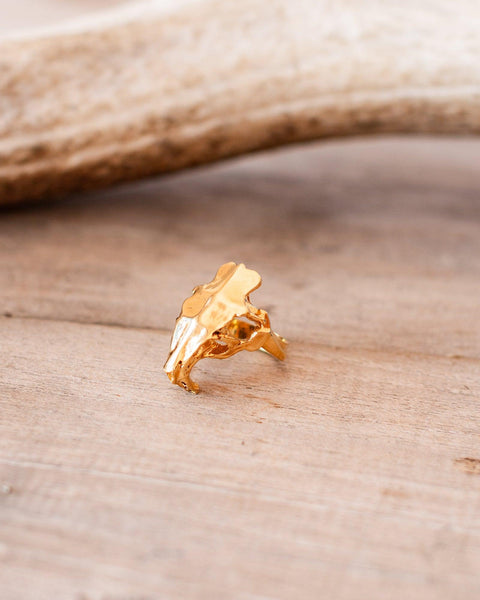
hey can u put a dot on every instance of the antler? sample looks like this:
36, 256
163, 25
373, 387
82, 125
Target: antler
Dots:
154, 89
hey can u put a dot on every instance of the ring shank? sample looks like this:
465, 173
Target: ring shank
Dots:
275, 345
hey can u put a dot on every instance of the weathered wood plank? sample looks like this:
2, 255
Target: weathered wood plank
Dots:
350, 471
334, 473
370, 244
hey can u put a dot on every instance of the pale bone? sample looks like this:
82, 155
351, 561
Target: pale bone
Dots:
155, 89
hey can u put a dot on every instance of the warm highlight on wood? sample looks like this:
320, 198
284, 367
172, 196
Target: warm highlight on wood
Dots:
174, 84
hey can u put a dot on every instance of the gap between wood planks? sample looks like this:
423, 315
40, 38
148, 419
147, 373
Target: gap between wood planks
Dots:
168, 331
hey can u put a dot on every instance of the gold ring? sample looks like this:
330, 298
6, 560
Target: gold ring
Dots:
217, 321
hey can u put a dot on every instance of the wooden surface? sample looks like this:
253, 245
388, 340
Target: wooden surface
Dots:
349, 472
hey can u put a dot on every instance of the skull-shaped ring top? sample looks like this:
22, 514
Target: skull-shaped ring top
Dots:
217, 321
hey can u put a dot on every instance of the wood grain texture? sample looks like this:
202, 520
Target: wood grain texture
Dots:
169, 85
349, 472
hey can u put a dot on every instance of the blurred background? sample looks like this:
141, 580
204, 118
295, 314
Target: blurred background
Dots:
25, 14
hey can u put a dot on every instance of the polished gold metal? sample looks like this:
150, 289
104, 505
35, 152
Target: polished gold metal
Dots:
218, 321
